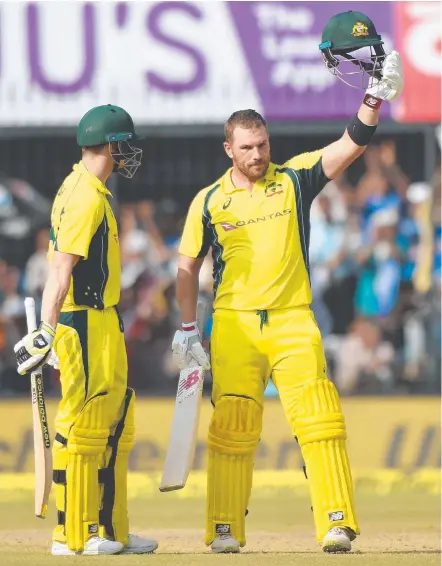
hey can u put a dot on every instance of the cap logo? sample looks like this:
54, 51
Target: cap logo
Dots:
359, 29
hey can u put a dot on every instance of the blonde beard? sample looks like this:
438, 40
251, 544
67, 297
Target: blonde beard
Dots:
253, 178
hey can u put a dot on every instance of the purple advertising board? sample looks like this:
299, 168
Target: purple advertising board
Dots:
195, 62
280, 41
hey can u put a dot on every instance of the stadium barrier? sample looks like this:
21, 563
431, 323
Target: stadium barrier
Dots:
266, 483
400, 434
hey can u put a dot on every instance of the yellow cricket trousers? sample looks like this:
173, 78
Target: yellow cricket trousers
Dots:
92, 419
247, 349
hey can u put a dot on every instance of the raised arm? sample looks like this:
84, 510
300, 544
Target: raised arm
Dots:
339, 155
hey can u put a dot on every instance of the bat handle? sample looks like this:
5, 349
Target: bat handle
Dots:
31, 318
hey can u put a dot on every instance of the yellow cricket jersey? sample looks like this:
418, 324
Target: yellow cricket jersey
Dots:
83, 224
259, 240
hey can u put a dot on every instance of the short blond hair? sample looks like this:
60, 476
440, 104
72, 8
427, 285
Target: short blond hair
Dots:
247, 119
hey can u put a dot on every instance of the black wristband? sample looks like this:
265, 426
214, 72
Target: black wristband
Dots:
359, 132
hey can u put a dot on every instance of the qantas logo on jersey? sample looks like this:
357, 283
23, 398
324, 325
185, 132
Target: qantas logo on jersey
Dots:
227, 226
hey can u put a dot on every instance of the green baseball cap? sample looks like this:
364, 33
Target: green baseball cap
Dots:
349, 31
105, 124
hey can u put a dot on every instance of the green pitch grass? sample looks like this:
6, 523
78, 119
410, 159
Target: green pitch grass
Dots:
398, 529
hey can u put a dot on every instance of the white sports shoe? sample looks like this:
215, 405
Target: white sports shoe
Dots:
93, 546
139, 545
338, 539
225, 543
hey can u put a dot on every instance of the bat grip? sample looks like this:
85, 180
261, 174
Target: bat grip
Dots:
31, 318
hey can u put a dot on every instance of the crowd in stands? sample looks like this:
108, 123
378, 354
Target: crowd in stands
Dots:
375, 272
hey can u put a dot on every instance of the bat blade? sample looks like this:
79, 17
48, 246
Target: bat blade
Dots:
42, 446
42, 441
184, 430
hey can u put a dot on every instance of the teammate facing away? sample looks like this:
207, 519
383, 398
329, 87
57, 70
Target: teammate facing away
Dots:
80, 321
256, 220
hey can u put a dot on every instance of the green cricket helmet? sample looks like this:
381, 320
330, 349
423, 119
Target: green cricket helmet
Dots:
353, 32
109, 124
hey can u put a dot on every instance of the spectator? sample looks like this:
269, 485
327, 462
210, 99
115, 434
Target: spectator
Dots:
378, 286
364, 362
13, 302
326, 254
36, 270
375, 267
134, 248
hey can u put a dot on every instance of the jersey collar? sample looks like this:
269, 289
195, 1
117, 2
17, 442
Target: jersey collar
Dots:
229, 187
93, 179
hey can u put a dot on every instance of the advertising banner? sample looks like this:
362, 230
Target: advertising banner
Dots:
419, 40
280, 41
172, 62
383, 433
166, 62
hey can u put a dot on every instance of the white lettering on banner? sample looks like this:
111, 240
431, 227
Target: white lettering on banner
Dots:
300, 77
167, 62
275, 47
287, 52
279, 17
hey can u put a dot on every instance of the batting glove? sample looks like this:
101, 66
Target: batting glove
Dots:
34, 350
187, 350
392, 83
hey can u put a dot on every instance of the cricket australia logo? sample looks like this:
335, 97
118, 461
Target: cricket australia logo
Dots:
359, 29
273, 189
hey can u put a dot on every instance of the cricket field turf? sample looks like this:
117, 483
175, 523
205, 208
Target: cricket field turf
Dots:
398, 528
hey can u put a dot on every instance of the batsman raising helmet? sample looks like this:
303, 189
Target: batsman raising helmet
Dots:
80, 322
256, 220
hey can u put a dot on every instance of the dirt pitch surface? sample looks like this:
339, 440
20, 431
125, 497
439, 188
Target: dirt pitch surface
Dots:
399, 529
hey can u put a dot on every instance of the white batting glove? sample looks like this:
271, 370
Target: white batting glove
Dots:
34, 349
187, 350
392, 83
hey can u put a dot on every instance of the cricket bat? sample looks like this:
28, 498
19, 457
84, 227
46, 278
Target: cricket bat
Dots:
42, 441
184, 430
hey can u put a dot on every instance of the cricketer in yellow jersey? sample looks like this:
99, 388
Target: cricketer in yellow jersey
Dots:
80, 322
256, 220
